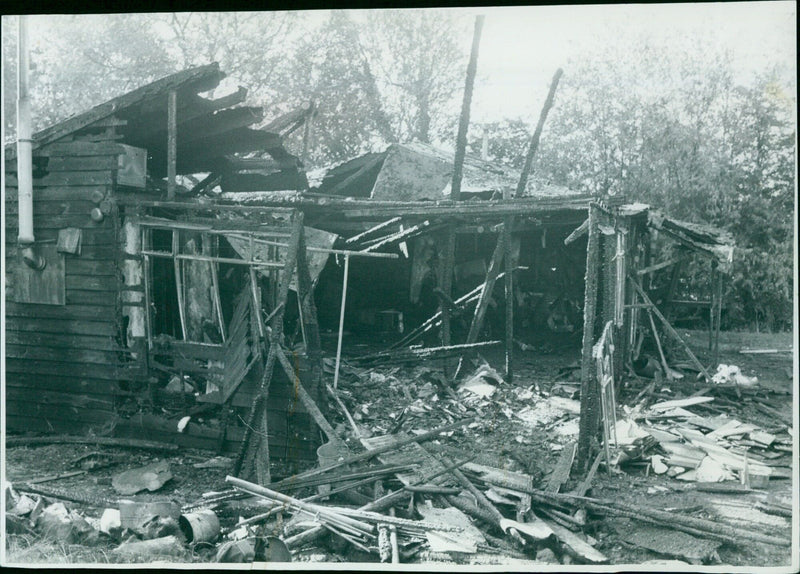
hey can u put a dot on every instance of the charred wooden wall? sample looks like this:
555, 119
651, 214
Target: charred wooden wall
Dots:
68, 367
63, 361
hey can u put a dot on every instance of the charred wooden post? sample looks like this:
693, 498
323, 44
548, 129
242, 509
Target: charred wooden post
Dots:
609, 271
172, 142
305, 294
509, 284
620, 294
259, 407
717, 313
486, 294
589, 417
463, 125
537, 134
448, 262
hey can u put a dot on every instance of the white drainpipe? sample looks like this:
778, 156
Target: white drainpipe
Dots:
24, 154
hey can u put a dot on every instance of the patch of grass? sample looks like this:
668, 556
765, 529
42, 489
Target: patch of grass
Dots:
733, 341
25, 549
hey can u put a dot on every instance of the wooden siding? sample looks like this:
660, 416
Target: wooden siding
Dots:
62, 361
65, 369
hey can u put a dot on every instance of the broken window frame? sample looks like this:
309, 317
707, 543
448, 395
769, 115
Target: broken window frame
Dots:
208, 242
147, 225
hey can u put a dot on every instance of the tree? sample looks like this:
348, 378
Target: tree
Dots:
675, 130
329, 69
419, 60
248, 45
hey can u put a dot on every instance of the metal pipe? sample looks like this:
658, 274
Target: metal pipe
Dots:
25, 237
341, 321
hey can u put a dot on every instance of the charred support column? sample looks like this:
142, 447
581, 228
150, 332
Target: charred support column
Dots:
590, 404
172, 142
448, 261
716, 313
509, 264
620, 291
509, 222
305, 294
609, 269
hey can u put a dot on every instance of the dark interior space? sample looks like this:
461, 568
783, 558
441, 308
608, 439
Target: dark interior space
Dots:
386, 298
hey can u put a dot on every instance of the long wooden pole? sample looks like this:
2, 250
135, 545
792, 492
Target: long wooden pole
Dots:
667, 372
509, 223
458, 167
671, 330
341, 322
537, 134
172, 142
485, 294
589, 391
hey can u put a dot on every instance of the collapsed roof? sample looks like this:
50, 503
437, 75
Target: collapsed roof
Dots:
212, 134
416, 171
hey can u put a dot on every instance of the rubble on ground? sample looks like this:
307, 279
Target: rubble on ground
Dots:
410, 484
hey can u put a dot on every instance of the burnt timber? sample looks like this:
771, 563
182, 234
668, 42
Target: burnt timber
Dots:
103, 340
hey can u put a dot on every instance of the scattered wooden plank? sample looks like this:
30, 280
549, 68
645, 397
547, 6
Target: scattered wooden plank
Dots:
97, 440
762, 437
581, 230
586, 483
661, 265
680, 403
420, 354
561, 472
575, 545
668, 542
372, 230
56, 477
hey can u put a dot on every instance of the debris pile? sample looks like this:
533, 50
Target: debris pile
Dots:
467, 491
687, 446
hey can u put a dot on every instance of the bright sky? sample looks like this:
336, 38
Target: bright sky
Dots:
521, 47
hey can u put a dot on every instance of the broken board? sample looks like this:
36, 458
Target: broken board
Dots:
563, 467
410, 454
667, 542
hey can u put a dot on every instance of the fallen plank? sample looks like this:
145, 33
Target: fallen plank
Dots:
413, 355
692, 525
762, 437
563, 466
56, 477
666, 405
375, 452
722, 488
580, 549
485, 503
89, 500
105, 441
586, 484
668, 542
